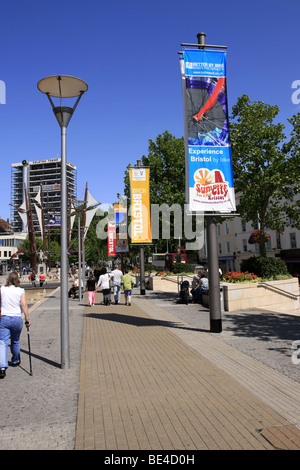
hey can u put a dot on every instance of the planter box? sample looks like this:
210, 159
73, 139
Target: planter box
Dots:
279, 295
166, 283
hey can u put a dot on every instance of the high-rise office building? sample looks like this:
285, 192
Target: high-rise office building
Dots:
32, 175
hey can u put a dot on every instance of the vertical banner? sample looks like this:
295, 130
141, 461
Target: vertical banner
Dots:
121, 227
140, 205
209, 179
111, 237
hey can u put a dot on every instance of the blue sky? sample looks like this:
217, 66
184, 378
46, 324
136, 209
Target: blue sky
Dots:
127, 52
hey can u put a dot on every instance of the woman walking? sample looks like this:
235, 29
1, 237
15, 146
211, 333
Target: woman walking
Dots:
13, 303
104, 285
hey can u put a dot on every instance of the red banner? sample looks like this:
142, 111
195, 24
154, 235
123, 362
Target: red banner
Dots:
111, 237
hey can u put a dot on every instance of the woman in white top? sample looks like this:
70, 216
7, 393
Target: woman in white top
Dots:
104, 285
13, 303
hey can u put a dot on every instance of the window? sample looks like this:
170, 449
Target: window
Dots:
219, 248
226, 228
243, 227
245, 246
218, 230
227, 247
278, 240
293, 240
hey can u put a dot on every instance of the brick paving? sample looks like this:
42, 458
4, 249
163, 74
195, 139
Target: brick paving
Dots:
143, 387
142, 378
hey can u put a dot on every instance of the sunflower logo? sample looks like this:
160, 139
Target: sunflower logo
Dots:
203, 177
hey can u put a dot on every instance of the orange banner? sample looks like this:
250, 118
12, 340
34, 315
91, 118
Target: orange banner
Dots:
140, 205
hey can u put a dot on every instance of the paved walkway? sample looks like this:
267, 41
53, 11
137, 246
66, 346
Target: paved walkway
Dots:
143, 378
150, 381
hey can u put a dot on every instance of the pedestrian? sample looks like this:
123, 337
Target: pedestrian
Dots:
200, 289
42, 279
116, 275
127, 283
104, 285
33, 279
204, 282
91, 288
13, 303
97, 274
75, 286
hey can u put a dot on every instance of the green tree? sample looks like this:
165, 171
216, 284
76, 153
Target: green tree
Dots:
95, 248
54, 245
265, 168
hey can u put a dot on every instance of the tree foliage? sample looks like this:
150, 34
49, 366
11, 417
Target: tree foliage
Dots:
265, 167
95, 248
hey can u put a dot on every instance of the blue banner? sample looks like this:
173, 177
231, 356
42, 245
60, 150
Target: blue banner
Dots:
208, 154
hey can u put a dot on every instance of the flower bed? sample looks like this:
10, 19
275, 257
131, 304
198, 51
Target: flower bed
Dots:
239, 277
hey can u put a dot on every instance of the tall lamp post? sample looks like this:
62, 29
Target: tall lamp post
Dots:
63, 86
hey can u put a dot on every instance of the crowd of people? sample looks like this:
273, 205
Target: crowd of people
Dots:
14, 307
100, 280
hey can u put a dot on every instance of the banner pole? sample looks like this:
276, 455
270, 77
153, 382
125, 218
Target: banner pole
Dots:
213, 259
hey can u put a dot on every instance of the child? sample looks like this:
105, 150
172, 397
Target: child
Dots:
127, 283
91, 288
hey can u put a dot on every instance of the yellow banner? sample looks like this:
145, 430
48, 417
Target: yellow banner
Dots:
140, 205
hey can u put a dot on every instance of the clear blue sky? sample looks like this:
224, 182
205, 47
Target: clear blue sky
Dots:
127, 52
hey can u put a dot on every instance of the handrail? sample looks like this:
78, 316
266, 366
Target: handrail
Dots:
277, 288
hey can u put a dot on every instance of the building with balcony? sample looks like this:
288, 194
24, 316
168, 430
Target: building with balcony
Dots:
33, 175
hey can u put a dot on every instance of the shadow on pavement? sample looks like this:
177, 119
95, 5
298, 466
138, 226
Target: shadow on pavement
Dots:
139, 321
263, 326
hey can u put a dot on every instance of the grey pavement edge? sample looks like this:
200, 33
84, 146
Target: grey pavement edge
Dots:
41, 410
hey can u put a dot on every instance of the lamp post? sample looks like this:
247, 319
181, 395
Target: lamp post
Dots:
63, 86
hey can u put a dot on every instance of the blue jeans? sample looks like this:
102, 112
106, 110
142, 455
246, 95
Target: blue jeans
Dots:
117, 292
10, 327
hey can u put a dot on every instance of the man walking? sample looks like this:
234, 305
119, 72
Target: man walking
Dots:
127, 283
116, 276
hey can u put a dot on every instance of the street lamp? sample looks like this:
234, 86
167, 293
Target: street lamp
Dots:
63, 86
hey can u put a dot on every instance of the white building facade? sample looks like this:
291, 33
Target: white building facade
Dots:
233, 245
9, 243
